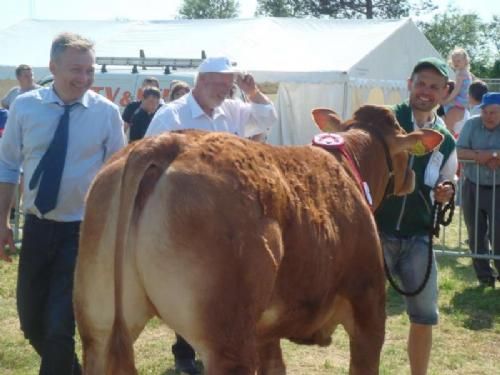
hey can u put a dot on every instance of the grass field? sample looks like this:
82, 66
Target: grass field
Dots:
466, 342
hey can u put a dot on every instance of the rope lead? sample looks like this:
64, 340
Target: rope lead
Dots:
441, 215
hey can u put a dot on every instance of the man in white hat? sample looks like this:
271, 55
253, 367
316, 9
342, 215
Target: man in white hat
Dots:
208, 106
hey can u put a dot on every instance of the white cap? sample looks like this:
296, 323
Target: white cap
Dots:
216, 65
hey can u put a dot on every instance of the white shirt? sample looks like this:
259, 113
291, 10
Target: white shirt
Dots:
232, 116
95, 133
475, 110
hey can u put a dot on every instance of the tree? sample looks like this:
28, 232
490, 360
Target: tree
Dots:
453, 29
282, 8
209, 9
343, 8
493, 34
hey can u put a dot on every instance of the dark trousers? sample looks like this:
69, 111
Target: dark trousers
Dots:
181, 349
45, 291
482, 267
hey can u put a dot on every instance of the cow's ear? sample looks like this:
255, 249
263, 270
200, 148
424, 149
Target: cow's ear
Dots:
419, 142
327, 120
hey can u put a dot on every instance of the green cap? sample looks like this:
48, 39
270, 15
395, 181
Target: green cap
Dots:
434, 63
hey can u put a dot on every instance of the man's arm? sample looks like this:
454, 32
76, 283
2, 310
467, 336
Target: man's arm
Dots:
6, 238
164, 120
127, 114
257, 120
5, 100
444, 192
464, 146
9, 97
247, 84
479, 156
10, 161
116, 138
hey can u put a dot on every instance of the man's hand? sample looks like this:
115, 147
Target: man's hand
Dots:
483, 157
443, 193
247, 84
6, 239
493, 163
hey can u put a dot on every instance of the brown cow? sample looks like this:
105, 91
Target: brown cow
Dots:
236, 244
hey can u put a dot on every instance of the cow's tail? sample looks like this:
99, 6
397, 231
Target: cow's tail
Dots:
146, 161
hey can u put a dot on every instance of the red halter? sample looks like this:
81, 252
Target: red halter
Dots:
333, 141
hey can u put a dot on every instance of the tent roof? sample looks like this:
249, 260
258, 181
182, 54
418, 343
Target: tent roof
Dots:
329, 47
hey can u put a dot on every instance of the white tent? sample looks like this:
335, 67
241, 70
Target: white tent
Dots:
339, 64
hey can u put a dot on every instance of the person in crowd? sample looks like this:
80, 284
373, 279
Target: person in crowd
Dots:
404, 221
25, 78
61, 135
207, 107
456, 103
131, 107
4, 114
144, 114
480, 142
177, 90
476, 91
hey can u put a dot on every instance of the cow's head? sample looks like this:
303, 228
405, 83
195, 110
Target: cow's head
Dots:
378, 121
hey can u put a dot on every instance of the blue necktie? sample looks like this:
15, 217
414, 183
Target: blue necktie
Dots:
50, 168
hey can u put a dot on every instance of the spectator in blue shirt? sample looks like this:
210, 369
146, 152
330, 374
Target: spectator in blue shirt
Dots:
480, 141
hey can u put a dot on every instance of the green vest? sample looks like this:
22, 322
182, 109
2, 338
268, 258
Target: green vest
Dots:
412, 211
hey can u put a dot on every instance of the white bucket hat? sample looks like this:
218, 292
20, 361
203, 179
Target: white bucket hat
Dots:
216, 65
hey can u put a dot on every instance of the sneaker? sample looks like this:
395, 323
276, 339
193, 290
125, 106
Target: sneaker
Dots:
186, 366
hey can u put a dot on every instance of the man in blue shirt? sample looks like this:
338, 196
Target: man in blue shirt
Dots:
480, 141
61, 135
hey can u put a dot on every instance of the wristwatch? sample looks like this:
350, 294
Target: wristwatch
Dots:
494, 154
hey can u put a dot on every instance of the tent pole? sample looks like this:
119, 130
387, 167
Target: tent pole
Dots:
346, 98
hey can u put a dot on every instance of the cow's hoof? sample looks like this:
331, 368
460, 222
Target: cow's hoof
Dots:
186, 367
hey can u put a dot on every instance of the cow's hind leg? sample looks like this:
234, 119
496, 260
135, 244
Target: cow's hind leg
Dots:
102, 354
271, 359
95, 313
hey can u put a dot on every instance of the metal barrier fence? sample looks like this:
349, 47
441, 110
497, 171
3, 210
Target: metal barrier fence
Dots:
460, 246
493, 83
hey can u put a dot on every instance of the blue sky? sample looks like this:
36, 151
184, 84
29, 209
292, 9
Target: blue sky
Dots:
16, 10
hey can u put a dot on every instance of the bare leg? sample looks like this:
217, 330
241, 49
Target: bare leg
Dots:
419, 348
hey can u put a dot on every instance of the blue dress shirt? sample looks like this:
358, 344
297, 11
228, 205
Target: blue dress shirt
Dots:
95, 133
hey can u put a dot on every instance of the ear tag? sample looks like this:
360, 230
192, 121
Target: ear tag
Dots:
418, 149
328, 140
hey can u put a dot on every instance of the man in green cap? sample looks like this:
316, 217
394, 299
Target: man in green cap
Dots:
404, 221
